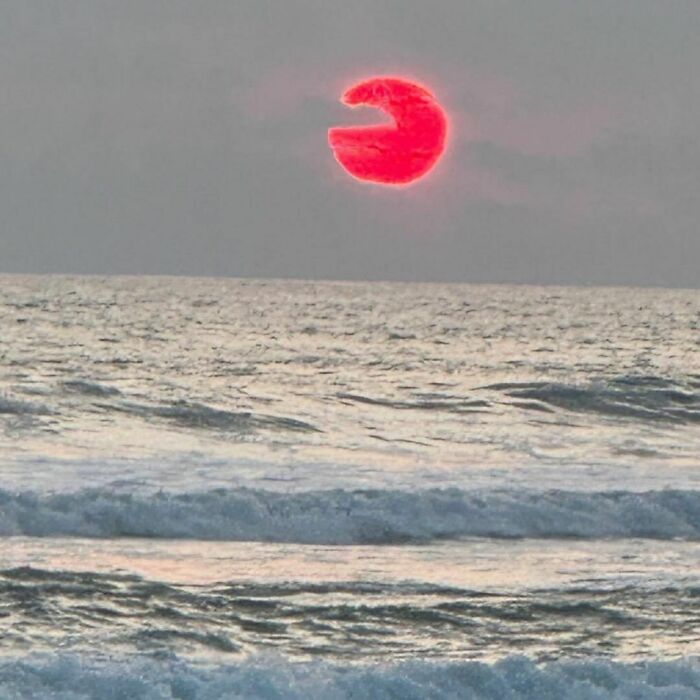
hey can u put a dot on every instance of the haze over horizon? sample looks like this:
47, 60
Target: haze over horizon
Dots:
171, 138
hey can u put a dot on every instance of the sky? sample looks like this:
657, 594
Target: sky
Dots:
180, 137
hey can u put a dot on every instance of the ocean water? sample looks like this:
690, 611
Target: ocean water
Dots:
261, 489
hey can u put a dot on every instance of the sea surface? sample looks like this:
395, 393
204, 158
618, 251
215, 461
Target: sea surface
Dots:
215, 488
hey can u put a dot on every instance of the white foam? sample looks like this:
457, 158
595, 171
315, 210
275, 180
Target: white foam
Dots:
76, 678
353, 517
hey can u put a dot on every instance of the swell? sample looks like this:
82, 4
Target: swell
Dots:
513, 678
353, 517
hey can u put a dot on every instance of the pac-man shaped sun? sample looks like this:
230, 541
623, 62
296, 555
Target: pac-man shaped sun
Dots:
398, 153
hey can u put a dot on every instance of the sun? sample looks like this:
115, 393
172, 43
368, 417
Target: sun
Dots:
391, 154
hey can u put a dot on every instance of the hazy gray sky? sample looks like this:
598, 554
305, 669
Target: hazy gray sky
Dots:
172, 136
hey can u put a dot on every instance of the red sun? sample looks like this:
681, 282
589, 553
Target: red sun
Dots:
391, 154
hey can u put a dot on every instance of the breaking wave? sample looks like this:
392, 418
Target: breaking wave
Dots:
353, 517
513, 678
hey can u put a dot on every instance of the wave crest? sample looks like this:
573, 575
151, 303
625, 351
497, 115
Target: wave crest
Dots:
353, 517
514, 678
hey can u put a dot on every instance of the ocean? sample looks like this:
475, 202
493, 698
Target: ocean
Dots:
218, 488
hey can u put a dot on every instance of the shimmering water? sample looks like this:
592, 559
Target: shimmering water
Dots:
201, 472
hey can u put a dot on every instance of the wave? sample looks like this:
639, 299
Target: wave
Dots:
639, 397
432, 401
636, 397
21, 408
513, 678
187, 414
88, 388
352, 517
